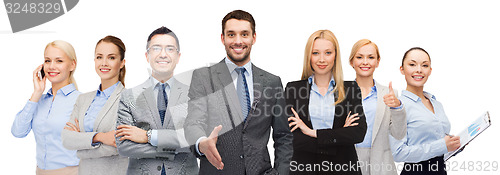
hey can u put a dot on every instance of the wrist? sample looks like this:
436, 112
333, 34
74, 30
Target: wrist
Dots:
35, 97
148, 136
96, 138
311, 133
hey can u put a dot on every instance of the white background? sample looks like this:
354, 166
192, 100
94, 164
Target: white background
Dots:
462, 38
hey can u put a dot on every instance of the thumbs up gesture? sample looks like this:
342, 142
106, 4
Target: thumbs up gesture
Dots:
390, 99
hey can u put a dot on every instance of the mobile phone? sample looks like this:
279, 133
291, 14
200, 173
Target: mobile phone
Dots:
42, 73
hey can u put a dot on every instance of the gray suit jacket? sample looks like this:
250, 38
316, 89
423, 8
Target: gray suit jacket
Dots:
387, 121
138, 108
242, 145
99, 159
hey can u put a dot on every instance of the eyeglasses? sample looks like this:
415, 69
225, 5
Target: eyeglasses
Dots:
157, 49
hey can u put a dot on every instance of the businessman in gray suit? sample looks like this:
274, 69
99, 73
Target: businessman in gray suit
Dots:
151, 116
233, 106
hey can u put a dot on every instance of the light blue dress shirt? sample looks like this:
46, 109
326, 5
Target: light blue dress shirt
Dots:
95, 107
321, 108
425, 133
157, 84
47, 119
370, 110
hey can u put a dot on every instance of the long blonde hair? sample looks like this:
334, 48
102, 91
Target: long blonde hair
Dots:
68, 49
338, 76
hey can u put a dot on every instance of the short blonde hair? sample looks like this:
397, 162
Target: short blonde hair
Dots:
359, 44
68, 49
338, 76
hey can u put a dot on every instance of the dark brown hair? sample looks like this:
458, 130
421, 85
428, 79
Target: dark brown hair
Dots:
412, 49
121, 48
239, 15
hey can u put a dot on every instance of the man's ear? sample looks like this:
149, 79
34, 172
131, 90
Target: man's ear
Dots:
222, 38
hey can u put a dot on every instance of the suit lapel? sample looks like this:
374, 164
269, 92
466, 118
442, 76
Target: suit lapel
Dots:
175, 94
149, 98
258, 82
85, 107
107, 106
307, 118
222, 79
380, 111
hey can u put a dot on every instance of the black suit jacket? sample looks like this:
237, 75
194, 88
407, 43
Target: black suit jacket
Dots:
334, 145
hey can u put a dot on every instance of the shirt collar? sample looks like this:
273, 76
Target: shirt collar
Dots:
374, 87
157, 83
107, 92
330, 86
231, 66
65, 90
415, 98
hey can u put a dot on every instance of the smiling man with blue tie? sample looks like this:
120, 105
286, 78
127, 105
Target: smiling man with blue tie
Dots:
151, 115
233, 106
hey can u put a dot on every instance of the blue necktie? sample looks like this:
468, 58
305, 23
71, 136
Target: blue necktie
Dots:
162, 102
242, 91
163, 170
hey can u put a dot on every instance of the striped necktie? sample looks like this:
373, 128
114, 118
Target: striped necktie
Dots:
242, 91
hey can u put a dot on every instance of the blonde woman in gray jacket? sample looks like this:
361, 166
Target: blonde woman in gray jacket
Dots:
383, 111
92, 126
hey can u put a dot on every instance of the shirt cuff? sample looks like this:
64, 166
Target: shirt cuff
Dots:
154, 137
197, 146
96, 143
399, 107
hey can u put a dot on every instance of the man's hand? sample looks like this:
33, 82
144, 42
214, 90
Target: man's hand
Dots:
132, 133
207, 147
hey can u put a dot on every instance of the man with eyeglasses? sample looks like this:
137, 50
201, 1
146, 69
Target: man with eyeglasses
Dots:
151, 116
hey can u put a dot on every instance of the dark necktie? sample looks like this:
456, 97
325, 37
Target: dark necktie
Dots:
242, 91
162, 102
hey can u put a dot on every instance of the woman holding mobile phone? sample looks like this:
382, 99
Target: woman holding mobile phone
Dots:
46, 114
91, 128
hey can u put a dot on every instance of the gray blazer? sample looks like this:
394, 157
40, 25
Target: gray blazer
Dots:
138, 108
242, 145
99, 159
387, 121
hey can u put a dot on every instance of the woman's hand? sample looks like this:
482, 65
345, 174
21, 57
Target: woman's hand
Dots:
38, 84
452, 142
71, 127
351, 118
107, 138
390, 99
298, 123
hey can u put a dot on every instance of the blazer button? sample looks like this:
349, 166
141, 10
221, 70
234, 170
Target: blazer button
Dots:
334, 140
158, 168
241, 156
